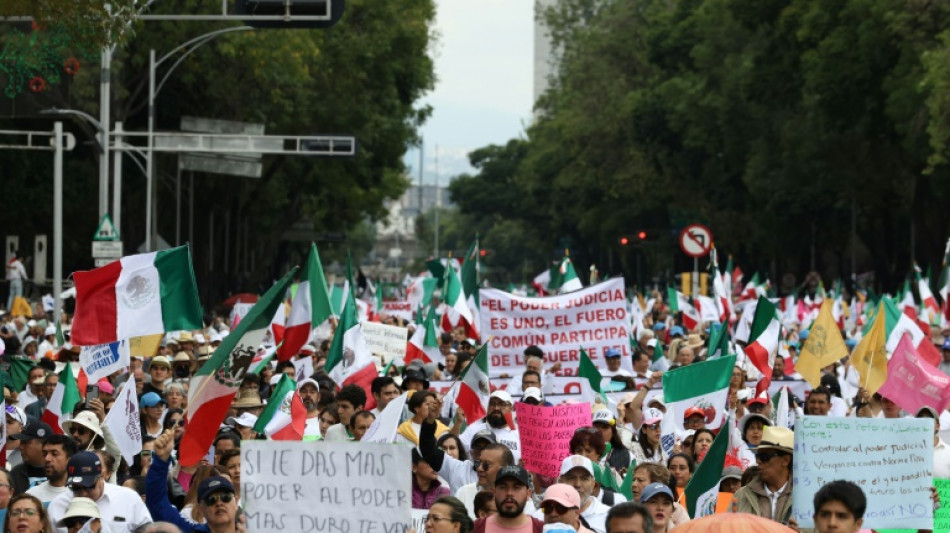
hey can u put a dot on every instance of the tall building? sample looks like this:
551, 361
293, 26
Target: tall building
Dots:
544, 54
396, 242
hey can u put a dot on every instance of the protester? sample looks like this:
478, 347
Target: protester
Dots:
577, 471
448, 515
420, 404
496, 420
349, 401
561, 504
384, 390
647, 448
769, 494
451, 444
485, 504
426, 487
512, 493
491, 460
658, 499
839, 508
681, 467
26, 514
32, 471
360, 424
629, 517
616, 456
57, 449
702, 440
81, 511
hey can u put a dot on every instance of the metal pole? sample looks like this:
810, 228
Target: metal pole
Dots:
191, 207
117, 186
151, 155
58, 220
104, 105
695, 285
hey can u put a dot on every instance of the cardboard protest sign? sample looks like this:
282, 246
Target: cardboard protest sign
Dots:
545, 433
102, 360
941, 515
307, 487
595, 318
890, 459
388, 342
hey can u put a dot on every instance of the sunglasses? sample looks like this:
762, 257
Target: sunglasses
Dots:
764, 457
225, 497
75, 521
550, 507
76, 429
655, 425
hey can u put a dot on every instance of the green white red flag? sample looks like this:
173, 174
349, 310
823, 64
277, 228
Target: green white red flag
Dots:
702, 491
349, 360
424, 344
218, 380
704, 385
284, 417
310, 308
679, 303
474, 388
763, 341
63, 400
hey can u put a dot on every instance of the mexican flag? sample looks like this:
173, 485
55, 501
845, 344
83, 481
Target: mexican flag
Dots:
679, 303
285, 417
702, 491
350, 361
541, 283
704, 385
64, 399
474, 388
897, 323
424, 344
218, 380
763, 341
457, 313
567, 279
136, 296
310, 308
587, 370
718, 341
277, 324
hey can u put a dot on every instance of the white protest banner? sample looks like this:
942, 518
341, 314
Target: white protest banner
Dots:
104, 359
890, 459
401, 309
594, 318
123, 422
389, 342
338, 487
419, 517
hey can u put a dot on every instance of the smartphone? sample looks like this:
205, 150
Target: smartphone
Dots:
92, 391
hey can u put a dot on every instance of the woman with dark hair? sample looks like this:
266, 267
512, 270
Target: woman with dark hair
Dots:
451, 444
484, 504
839, 407
646, 447
681, 467
174, 419
702, 440
420, 403
448, 515
617, 457
426, 487
329, 415
26, 514
589, 442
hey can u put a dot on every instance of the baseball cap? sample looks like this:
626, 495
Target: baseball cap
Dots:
83, 469
308, 381
653, 489
677, 330
50, 330
515, 472
502, 395
213, 484
81, 508
604, 416
17, 414
485, 434
611, 353
694, 411
651, 343
762, 398
308, 349
731, 472
928, 409
245, 420
576, 461
35, 429
151, 399
532, 392
652, 416
563, 494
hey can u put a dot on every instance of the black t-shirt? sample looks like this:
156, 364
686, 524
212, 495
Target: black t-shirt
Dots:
148, 387
24, 477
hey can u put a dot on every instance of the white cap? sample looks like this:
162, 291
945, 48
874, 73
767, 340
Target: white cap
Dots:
310, 381
502, 395
50, 330
275, 378
246, 420
652, 416
200, 339
576, 461
651, 343
532, 392
603, 415
31, 323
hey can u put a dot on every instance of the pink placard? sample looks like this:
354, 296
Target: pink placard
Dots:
912, 382
545, 433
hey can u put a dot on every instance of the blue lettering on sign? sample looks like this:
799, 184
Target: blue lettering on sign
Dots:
103, 356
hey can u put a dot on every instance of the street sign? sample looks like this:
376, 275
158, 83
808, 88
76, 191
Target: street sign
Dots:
110, 250
696, 240
106, 230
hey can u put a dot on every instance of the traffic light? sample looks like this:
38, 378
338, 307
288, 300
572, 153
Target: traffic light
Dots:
642, 235
331, 9
624, 241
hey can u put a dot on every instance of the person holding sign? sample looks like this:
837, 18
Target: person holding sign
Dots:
769, 494
216, 496
941, 449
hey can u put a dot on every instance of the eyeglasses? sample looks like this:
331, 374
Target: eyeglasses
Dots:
436, 518
5, 485
764, 457
224, 497
20, 512
78, 489
483, 465
550, 507
179, 423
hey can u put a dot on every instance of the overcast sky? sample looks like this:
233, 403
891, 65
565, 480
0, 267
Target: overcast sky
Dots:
483, 62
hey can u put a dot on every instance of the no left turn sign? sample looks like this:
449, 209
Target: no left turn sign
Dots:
695, 240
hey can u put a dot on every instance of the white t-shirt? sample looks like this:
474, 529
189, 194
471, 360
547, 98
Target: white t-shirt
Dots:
941, 460
337, 433
46, 492
15, 270
313, 427
457, 473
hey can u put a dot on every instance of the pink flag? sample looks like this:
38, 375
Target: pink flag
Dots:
912, 382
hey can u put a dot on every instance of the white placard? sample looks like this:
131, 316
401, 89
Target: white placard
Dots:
339, 487
388, 342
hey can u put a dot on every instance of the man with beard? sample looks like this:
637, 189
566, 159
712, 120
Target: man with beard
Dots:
491, 461
309, 391
512, 493
57, 449
499, 412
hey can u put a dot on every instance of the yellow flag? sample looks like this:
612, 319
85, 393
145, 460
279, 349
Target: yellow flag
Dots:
146, 346
870, 356
823, 346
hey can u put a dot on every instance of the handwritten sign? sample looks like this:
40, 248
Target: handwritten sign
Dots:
595, 318
388, 342
339, 487
890, 459
545, 433
402, 309
941, 515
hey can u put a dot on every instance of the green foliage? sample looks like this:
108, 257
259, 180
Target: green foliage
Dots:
768, 120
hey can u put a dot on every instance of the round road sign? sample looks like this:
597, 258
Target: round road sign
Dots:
695, 240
